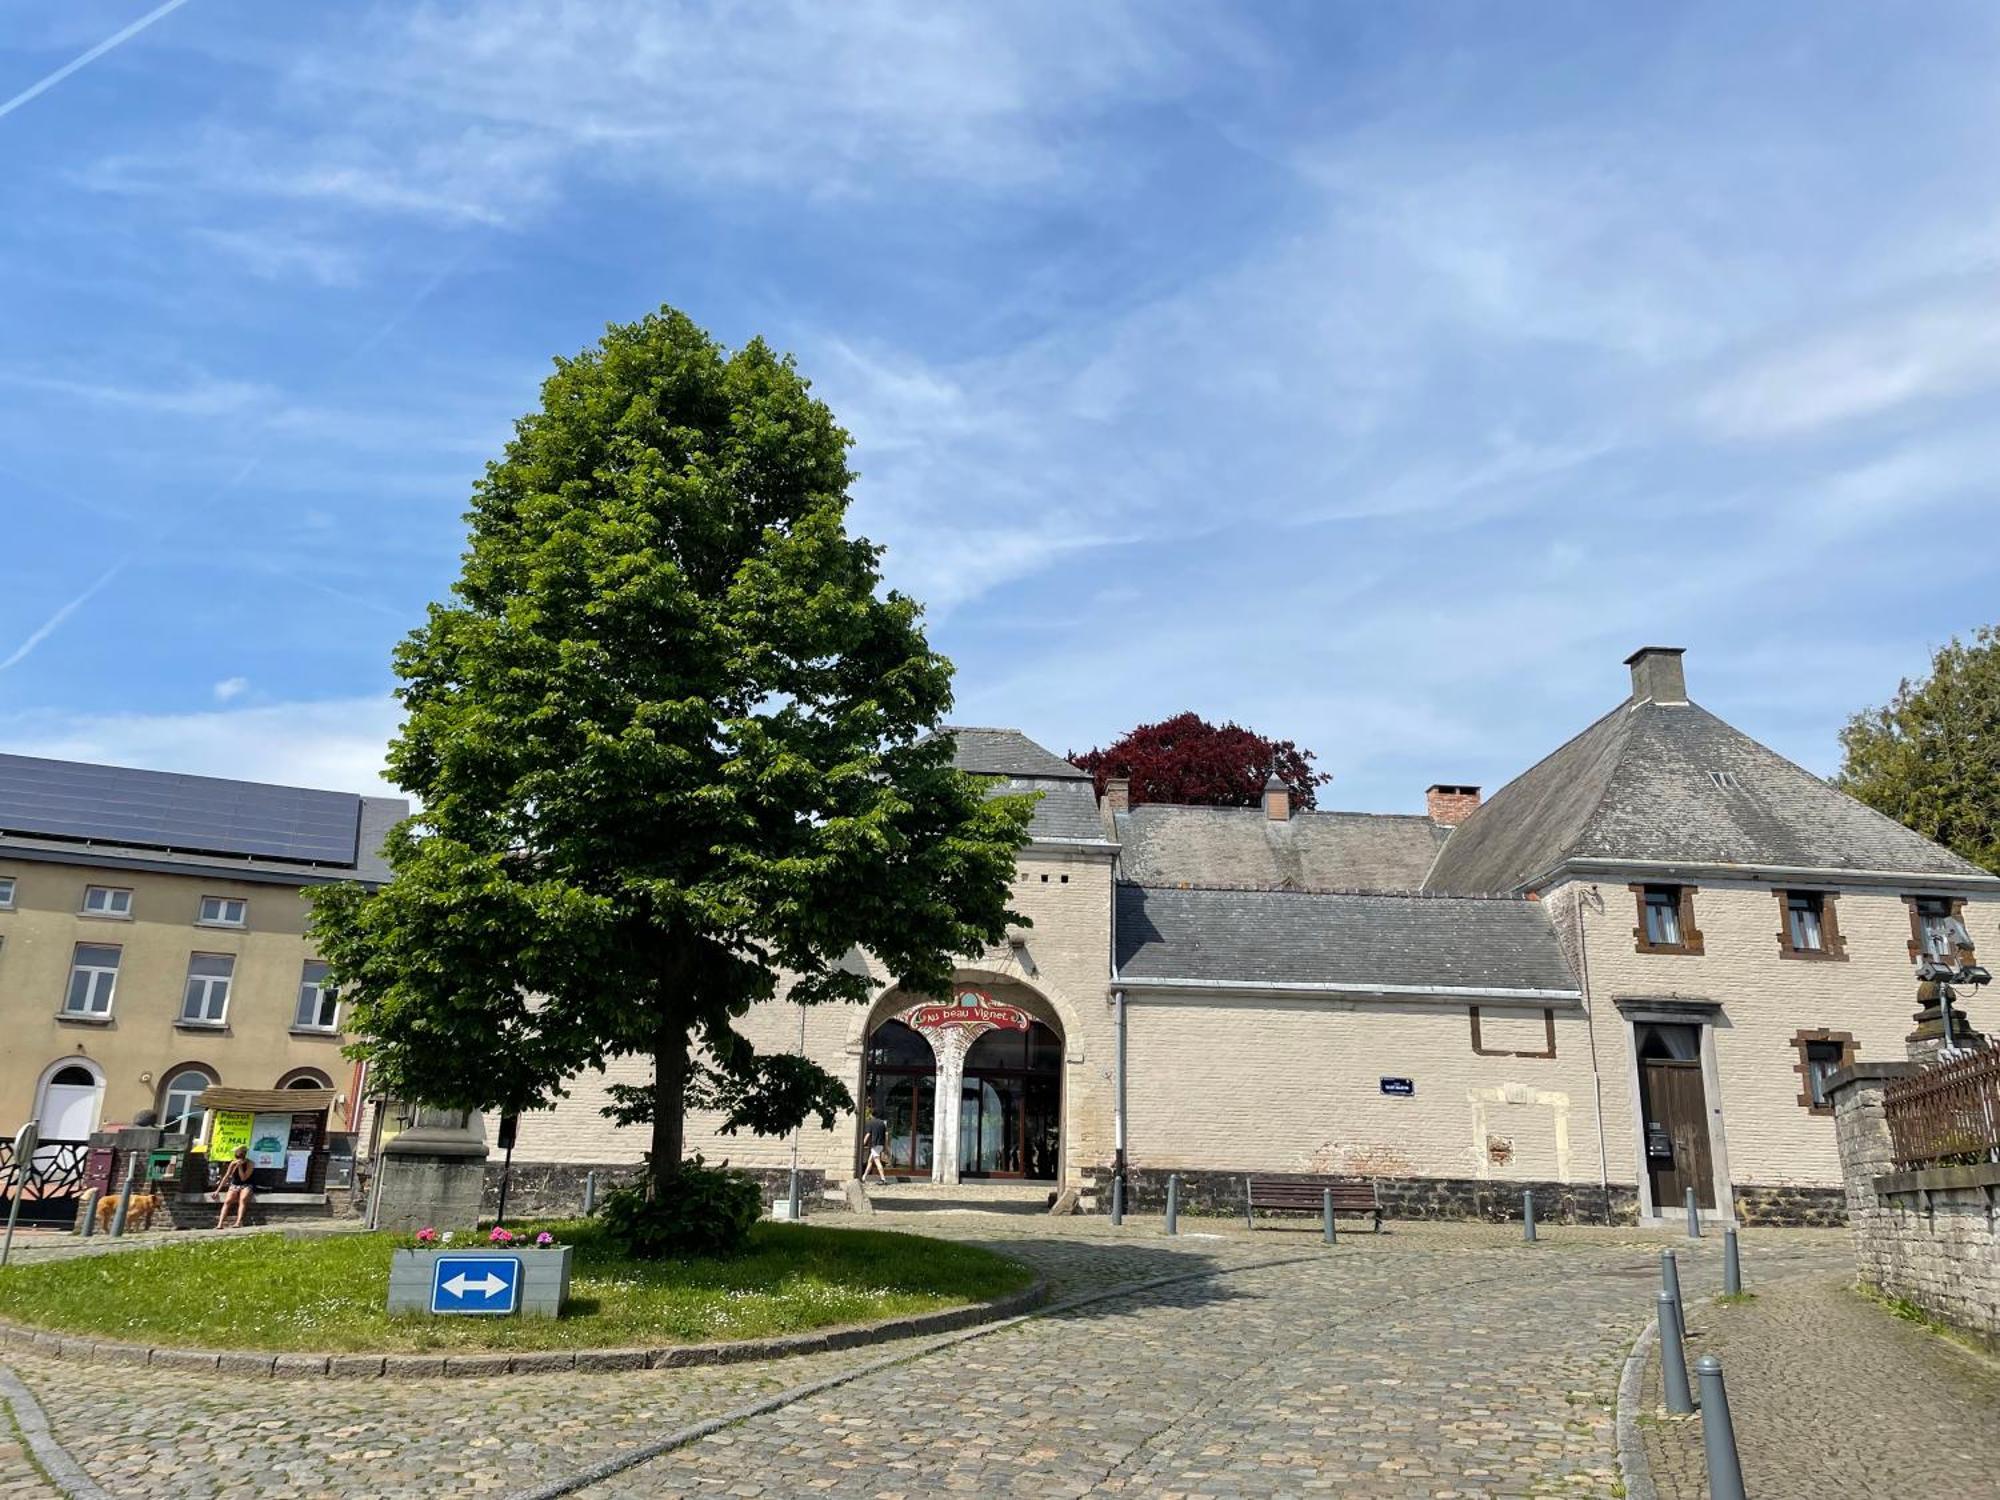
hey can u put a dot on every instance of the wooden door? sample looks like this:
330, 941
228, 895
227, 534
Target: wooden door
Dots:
1676, 1133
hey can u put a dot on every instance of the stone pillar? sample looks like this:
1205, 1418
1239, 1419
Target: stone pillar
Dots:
946, 1111
1861, 1126
433, 1174
1926, 1042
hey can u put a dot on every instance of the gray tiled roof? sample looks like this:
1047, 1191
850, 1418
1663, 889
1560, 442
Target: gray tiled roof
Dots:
1240, 846
1636, 785
1007, 752
1068, 805
1294, 937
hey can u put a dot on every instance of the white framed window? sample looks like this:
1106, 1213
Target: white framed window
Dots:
107, 901
223, 911
6, 892
319, 1005
206, 1001
177, 1111
93, 976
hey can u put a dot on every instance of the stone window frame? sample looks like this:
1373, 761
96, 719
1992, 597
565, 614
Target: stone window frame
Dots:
1803, 1066
1691, 941
1548, 1021
1833, 947
1955, 907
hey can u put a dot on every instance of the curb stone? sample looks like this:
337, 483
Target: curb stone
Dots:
1632, 1466
525, 1362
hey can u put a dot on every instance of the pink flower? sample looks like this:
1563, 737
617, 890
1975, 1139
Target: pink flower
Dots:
545, 1239
501, 1236
427, 1236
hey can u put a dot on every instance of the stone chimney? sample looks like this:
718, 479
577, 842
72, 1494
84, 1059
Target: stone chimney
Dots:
1657, 676
1277, 800
1117, 794
1451, 805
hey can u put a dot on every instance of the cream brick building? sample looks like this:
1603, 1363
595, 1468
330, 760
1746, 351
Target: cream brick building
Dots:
1622, 976
153, 940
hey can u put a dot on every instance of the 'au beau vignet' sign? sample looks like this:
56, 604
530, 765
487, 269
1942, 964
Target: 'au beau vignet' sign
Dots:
970, 1008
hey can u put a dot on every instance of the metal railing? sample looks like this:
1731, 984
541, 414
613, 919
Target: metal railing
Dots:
1948, 1114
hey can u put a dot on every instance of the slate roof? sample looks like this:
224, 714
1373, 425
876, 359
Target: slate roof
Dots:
1068, 806
1637, 785
1292, 937
74, 812
1241, 846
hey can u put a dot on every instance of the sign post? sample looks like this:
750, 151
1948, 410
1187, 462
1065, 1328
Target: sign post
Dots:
27, 1141
480, 1284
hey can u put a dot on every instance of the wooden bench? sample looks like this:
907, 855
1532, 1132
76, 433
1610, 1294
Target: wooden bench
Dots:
1306, 1195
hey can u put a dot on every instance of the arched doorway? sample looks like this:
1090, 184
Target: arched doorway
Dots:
70, 1098
999, 1061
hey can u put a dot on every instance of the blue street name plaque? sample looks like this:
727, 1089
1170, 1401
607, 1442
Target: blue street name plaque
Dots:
1400, 1088
475, 1284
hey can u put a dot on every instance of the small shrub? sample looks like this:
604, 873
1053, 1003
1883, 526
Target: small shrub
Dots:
702, 1211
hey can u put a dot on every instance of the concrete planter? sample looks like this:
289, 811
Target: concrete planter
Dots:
544, 1279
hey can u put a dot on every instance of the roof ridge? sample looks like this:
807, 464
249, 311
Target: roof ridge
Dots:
1302, 890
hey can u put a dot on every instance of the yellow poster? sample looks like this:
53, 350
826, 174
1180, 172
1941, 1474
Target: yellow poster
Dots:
229, 1131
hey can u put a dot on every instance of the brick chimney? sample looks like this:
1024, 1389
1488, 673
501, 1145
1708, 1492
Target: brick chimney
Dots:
1451, 805
1117, 794
1277, 800
1657, 676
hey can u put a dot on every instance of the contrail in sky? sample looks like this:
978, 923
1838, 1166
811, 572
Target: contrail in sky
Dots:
54, 621
117, 38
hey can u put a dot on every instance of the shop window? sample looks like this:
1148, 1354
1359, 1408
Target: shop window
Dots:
1821, 1054
1666, 919
1809, 926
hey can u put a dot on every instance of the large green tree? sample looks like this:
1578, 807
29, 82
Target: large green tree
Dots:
673, 745
1931, 757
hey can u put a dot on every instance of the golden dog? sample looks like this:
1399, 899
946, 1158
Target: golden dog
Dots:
139, 1216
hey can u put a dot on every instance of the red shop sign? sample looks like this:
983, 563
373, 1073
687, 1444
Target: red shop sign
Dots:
970, 1009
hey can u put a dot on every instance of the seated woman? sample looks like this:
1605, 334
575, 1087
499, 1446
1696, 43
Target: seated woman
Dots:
235, 1187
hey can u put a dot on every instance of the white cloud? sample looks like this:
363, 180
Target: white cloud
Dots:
1940, 348
279, 255
231, 687
338, 744
191, 394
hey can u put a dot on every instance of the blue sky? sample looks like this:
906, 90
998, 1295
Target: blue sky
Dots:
1378, 376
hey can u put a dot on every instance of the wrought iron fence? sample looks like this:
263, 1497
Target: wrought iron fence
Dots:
1948, 1114
52, 1184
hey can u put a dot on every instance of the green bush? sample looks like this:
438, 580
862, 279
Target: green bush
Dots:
702, 1211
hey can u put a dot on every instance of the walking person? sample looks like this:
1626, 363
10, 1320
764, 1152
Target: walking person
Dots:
877, 1137
235, 1187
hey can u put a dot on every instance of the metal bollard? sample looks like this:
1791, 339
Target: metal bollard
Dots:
795, 1198
1732, 1264
1673, 1359
1117, 1200
1670, 1281
589, 1194
1694, 1217
1249, 1214
1326, 1214
125, 1197
1173, 1203
1718, 1433
1528, 1216
89, 1225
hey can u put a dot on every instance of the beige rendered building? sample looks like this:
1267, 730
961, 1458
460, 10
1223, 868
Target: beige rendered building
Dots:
1623, 976
153, 940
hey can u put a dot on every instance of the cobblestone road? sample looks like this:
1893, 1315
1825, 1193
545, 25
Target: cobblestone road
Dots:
1431, 1361
1831, 1394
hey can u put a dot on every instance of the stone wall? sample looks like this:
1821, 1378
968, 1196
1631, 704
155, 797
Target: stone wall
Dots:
547, 1189
1212, 1192
1929, 1237
1790, 1206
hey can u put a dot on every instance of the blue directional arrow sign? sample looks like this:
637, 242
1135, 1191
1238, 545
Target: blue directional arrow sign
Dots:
475, 1284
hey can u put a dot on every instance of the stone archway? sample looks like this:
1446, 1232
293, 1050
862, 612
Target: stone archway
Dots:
996, 1054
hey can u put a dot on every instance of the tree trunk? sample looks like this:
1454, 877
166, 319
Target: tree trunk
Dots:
670, 1076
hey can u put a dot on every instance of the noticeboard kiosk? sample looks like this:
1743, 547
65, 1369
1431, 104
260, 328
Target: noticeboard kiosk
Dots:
282, 1130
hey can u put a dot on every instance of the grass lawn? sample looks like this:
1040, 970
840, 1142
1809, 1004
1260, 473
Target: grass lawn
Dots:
266, 1292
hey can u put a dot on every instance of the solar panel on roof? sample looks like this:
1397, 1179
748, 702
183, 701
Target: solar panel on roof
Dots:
162, 810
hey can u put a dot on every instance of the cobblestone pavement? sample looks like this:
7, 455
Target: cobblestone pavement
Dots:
1445, 1360
1830, 1393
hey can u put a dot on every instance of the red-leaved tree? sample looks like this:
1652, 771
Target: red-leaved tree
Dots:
1188, 760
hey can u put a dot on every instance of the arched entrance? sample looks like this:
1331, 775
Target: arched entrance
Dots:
69, 1099
995, 1057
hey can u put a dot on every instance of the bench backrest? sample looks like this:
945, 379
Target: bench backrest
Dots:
1293, 1193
